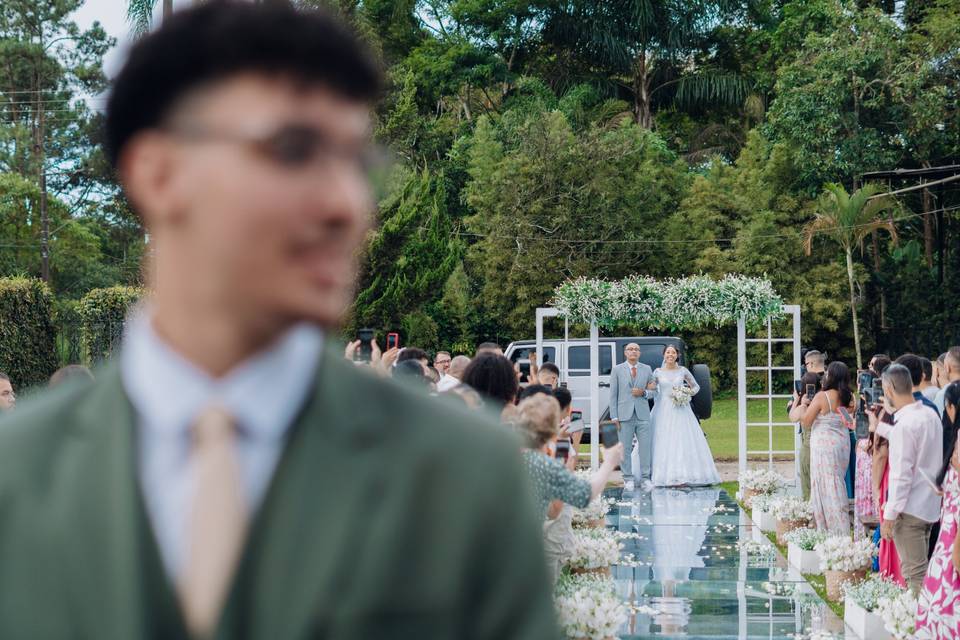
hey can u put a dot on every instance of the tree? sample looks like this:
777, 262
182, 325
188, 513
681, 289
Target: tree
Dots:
848, 220
46, 61
650, 43
140, 14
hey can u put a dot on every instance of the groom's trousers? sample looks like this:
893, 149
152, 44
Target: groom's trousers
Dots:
641, 429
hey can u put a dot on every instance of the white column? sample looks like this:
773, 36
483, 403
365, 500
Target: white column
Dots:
742, 392
595, 396
795, 310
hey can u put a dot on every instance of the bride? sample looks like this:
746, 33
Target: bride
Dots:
681, 455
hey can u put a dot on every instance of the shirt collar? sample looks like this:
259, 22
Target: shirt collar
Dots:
264, 393
902, 411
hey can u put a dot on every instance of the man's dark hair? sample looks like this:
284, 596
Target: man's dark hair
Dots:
533, 390
410, 370
225, 38
552, 368
493, 377
564, 397
488, 346
412, 353
880, 362
914, 365
927, 368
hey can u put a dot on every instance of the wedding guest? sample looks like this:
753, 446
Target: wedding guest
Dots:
939, 601
548, 375
888, 561
441, 362
493, 377
951, 373
8, 399
71, 373
538, 418
914, 364
416, 354
229, 475
815, 363
829, 448
915, 458
939, 372
454, 374
928, 387
489, 347
879, 363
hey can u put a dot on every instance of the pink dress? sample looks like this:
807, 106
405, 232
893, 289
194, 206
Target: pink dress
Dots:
829, 458
864, 509
938, 612
889, 559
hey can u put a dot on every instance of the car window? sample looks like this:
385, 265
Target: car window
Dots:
578, 360
523, 353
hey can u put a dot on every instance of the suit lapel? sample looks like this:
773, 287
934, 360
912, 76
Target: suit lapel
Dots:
103, 523
295, 560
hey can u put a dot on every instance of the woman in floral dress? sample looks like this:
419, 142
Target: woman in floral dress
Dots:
864, 507
829, 449
938, 611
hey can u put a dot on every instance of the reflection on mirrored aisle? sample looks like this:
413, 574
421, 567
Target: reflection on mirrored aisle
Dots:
685, 575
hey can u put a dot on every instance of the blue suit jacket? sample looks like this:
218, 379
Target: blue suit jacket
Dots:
623, 406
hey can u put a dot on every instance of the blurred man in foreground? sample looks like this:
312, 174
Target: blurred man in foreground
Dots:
230, 476
8, 399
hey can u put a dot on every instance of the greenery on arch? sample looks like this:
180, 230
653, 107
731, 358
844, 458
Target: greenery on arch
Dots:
675, 304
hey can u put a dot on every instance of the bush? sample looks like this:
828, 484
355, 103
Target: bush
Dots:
27, 333
102, 314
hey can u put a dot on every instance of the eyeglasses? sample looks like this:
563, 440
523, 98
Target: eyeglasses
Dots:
292, 146
441, 362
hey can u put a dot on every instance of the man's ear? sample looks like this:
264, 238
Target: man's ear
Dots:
148, 171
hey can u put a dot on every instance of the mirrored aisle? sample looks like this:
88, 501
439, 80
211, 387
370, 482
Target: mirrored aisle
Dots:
685, 575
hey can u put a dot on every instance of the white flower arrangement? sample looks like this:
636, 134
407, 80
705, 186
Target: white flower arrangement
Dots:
899, 614
588, 607
596, 510
868, 594
763, 481
823, 635
593, 549
754, 548
675, 304
791, 509
764, 501
681, 395
806, 539
840, 553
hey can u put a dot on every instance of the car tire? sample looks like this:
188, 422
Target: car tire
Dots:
702, 403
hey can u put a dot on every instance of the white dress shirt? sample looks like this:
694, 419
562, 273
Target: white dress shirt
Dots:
263, 394
446, 383
916, 449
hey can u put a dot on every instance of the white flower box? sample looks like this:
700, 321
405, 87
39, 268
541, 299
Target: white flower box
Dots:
802, 560
758, 535
765, 520
865, 624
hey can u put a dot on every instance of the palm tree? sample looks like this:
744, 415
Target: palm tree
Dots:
140, 13
848, 220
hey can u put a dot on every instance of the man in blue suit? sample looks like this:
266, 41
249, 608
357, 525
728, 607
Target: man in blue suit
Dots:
630, 410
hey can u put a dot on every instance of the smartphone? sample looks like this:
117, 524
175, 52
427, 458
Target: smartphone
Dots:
811, 391
393, 341
575, 415
609, 435
364, 351
798, 387
563, 449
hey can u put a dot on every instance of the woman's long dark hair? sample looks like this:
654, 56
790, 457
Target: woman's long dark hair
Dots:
838, 379
951, 397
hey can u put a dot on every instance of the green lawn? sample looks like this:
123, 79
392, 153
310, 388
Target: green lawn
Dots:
721, 429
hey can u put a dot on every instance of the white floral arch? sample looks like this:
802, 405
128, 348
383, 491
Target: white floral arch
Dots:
679, 304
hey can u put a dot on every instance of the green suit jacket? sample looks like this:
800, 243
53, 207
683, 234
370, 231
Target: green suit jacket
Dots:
390, 515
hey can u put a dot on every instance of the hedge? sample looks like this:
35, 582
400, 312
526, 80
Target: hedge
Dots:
102, 314
27, 333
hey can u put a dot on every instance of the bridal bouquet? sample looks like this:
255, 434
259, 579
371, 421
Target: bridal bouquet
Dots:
899, 614
680, 395
840, 553
593, 512
593, 549
588, 607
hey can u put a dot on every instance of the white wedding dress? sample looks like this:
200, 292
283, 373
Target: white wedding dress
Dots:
681, 455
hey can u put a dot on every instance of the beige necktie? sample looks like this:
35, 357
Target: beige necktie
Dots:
217, 524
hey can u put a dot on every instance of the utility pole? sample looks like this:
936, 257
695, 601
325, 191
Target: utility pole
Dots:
40, 155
